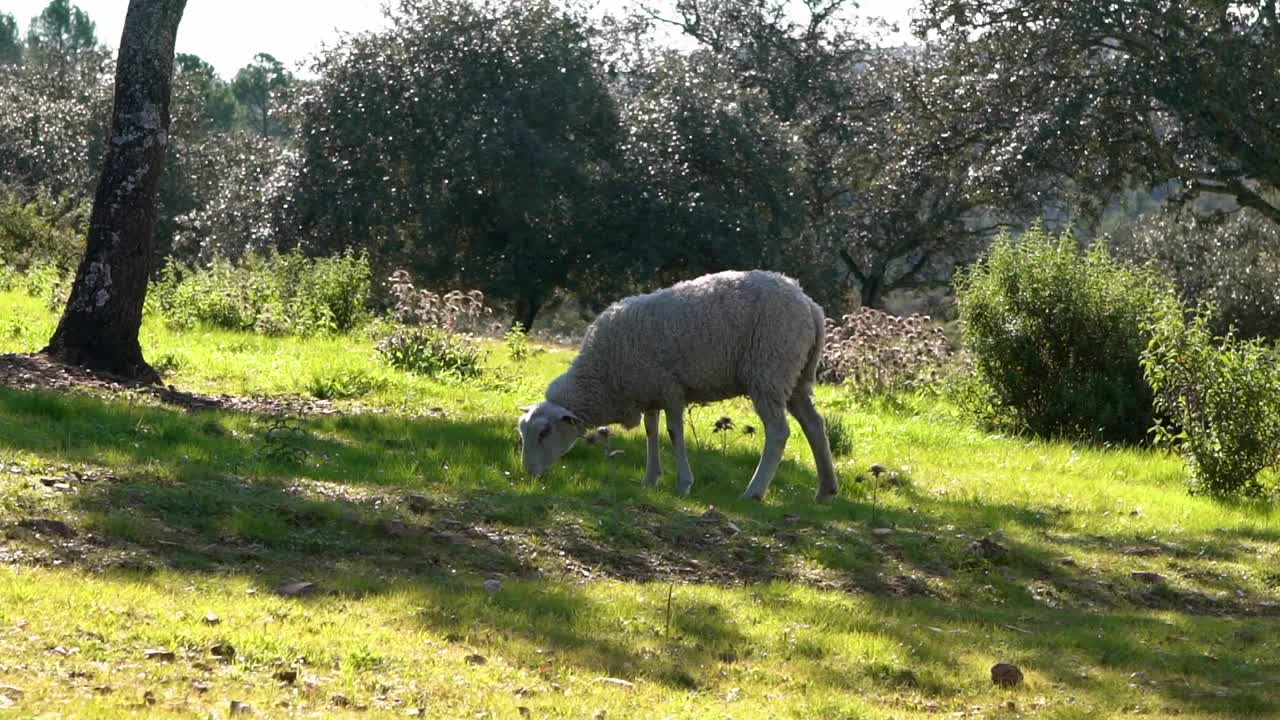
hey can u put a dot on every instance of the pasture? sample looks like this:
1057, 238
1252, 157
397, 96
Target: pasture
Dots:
377, 552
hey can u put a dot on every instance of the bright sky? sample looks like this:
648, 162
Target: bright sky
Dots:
228, 33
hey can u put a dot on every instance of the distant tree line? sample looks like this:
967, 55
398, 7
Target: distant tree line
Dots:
532, 151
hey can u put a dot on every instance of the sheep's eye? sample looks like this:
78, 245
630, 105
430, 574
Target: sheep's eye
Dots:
542, 434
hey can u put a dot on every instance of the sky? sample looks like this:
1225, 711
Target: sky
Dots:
228, 33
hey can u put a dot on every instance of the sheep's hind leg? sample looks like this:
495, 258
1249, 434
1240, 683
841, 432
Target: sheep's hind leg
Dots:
675, 428
653, 461
801, 406
774, 419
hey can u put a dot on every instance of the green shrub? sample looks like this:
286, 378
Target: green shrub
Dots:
1056, 337
517, 341
42, 229
432, 351
274, 295
1221, 397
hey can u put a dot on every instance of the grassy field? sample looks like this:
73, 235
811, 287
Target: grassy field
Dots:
144, 547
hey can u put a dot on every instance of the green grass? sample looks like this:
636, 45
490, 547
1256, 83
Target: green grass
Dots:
781, 609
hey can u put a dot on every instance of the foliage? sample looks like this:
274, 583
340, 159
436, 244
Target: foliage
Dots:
1221, 397
1056, 336
433, 351
42, 229
274, 294
710, 174
1111, 94
53, 118
10, 43
1229, 261
517, 342
61, 31
469, 143
42, 278
227, 196
875, 353
260, 87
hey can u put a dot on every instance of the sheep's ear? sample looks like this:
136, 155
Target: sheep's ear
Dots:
526, 408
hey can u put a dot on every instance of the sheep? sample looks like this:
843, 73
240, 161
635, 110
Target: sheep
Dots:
724, 335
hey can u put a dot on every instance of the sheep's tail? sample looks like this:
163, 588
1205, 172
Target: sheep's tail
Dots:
810, 375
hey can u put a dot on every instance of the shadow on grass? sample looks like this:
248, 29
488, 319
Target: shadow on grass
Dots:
321, 499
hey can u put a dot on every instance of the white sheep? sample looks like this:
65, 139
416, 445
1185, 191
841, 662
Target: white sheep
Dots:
715, 337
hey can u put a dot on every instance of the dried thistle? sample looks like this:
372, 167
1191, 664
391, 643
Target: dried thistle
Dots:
875, 352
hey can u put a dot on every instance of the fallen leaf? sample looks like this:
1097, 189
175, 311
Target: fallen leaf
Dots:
475, 659
239, 708
159, 654
211, 619
492, 585
616, 681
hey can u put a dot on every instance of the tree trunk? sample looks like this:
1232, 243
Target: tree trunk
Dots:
871, 291
99, 327
526, 311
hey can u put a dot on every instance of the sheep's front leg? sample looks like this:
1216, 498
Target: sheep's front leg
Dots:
653, 462
776, 433
675, 428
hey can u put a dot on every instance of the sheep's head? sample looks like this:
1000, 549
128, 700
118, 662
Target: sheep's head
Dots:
547, 431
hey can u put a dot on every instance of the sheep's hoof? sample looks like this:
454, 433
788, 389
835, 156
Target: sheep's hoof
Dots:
825, 498
683, 490
749, 496
650, 482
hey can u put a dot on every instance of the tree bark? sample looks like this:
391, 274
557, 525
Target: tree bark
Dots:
526, 311
99, 327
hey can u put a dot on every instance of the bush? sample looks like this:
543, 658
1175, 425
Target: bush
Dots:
43, 279
1221, 397
273, 295
877, 353
42, 231
432, 351
1056, 337
517, 342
